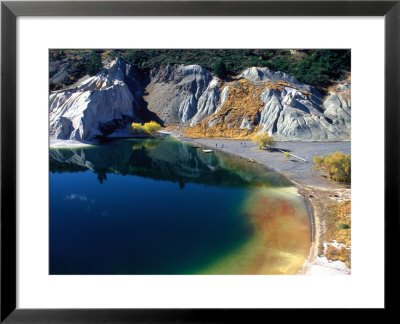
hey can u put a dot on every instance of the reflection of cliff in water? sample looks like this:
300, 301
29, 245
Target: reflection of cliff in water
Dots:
164, 159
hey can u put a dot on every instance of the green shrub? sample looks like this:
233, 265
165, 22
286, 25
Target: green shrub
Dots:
337, 165
94, 65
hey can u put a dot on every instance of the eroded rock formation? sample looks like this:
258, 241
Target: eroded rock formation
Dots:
98, 105
258, 100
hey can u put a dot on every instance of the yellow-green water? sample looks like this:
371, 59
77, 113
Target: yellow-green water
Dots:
281, 239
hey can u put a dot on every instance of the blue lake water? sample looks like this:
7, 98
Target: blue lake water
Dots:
160, 206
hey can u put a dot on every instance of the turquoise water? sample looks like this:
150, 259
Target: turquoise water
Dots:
151, 206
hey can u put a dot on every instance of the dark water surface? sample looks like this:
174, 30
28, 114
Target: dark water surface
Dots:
159, 206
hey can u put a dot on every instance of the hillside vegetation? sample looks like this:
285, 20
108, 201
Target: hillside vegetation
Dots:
313, 67
242, 102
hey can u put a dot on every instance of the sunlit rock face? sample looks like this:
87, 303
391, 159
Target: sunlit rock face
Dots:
293, 110
258, 74
97, 105
290, 114
338, 106
258, 100
207, 103
263, 100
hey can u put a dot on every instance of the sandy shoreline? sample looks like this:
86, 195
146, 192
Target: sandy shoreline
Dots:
316, 190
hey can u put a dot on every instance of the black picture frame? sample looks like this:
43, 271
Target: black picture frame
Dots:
10, 10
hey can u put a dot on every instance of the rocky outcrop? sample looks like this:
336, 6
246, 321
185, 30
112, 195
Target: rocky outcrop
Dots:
289, 113
258, 100
207, 103
174, 92
98, 105
263, 100
337, 105
299, 112
256, 74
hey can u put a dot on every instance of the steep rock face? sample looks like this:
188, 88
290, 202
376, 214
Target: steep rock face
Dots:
293, 110
174, 92
237, 113
258, 100
97, 105
207, 103
338, 105
289, 113
262, 100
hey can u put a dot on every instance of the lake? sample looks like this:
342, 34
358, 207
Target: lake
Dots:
161, 206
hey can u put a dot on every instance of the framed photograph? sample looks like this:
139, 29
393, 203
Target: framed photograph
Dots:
194, 160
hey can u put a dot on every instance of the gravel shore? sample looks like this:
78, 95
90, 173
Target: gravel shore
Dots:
294, 169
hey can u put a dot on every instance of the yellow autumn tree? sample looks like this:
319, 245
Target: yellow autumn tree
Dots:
151, 128
337, 166
263, 139
136, 128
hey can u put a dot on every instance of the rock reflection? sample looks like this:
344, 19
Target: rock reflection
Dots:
164, 159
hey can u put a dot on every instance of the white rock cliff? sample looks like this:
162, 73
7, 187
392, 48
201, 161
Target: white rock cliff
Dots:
91, 107
188, 95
